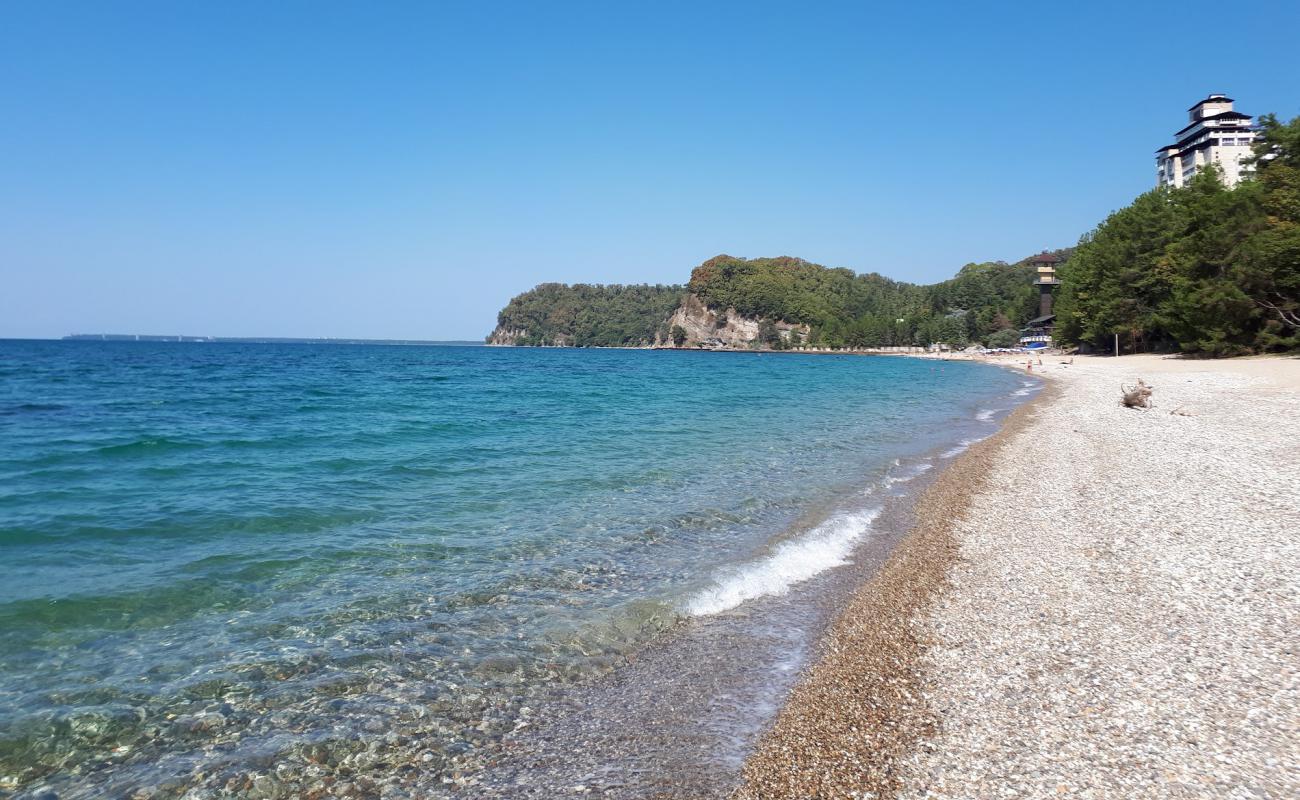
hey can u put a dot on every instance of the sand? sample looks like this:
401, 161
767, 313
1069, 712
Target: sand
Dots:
1099, 602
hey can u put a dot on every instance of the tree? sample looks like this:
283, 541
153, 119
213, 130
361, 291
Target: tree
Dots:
768, 335
1003, 338
1206, 310
679, 336
1118, 277
1269, 265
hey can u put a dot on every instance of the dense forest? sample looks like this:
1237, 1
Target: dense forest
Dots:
840, 306
589, 315
1203, 269
843, 308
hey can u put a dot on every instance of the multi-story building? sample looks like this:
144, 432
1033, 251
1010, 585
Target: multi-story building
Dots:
1216, 135
1038, 331
1045, 266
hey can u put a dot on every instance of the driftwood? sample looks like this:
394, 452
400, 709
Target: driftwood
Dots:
1138, 396
1182, 412
1290, 318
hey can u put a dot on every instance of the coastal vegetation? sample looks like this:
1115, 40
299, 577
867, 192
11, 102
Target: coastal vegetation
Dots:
798, 291
845, 309
1203, 269
835, 307
588, 315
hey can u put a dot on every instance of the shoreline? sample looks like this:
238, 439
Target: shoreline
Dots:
1022, 638
858, 709
683, 716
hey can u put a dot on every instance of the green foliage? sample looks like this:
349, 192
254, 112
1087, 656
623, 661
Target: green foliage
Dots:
1204, 269
841, 308
844, 309
1118, 278
797, 291
590, 315
1003, 338
1268, 264
994, 295
1207, 311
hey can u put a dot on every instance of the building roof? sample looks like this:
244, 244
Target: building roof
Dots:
1211, 142
1041, 320
1224, 115
1214, 98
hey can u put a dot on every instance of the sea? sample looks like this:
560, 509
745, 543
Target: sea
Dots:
293, 570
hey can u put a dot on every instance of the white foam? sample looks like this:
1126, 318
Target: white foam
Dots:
985, 415
890, 480
1027, 388
824, 547
961, 447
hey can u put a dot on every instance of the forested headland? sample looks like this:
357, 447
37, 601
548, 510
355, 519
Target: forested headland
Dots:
837, 307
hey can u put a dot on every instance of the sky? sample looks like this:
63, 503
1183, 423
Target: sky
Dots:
400, 170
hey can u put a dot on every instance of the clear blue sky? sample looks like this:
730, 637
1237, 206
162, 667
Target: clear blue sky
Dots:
401, 170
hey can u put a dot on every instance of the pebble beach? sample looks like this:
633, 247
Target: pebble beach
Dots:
1097, 602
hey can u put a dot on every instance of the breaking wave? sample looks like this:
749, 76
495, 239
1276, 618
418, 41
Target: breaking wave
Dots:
1026, 388
914, 472
961, 447
825, 546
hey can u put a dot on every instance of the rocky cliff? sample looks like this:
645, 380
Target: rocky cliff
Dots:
504, 336
706, 327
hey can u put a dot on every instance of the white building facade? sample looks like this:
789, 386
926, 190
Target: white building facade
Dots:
1217, 135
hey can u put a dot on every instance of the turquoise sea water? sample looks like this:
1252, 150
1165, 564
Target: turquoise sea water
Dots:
220, 561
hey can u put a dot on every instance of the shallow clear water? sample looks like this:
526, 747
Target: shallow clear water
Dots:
219, 560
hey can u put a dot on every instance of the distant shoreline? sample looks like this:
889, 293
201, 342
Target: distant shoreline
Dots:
184, 339
900, 350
